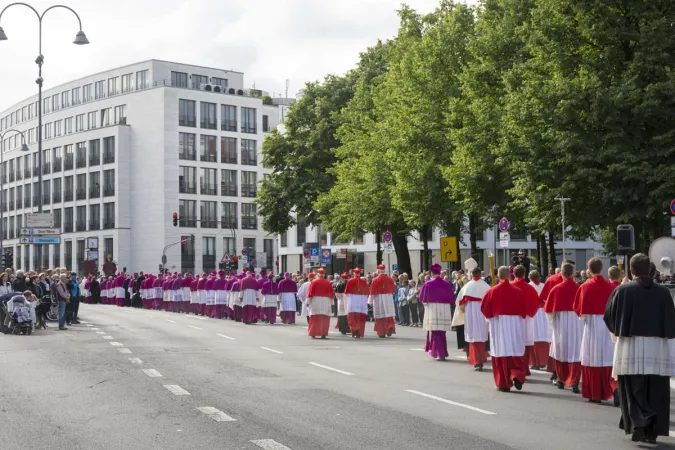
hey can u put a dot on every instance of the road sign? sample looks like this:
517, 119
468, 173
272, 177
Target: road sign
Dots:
314, 251
504, 224
326, 256
387, 236
394, 267
40, 240
39, 231
254, 263
244, 252
39, 220
449, 249
341, 253
262, 256
183, 240
308, 265
388, 248
504, 236
305, 253
672, 226
672, 207
504, 243
226, 258
93, 255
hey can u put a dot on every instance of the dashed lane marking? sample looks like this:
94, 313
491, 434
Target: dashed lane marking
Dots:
417, 349
107, 337
135, 360
215, 414
272, 350
226, 337
176, 390
450, 402
152, 373
196, 328
124, 351
82, 321
116, 344
100, 332
88, 325
94, 329
170, 321
270, 444
332, 369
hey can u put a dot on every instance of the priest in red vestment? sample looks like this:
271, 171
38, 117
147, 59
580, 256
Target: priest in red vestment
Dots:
320, 297
438, 298
476, 331
567, 330
597, 348
505, 306
551, 282
382, 291
356, 295
533, 302
542, 330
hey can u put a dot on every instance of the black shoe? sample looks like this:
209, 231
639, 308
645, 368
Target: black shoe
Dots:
617, 400
559, 385
575, 389
518, 385
594, 401
554, 377
62, 328
638, 434
504, 389
76, 322
323, 337
381, 337
478, 367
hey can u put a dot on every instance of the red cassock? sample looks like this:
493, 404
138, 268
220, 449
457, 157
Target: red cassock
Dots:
532, 301
505, 306
320, 297
567, 332
356, 293
382, 291
597, 348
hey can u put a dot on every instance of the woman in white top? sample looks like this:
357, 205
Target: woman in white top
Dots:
5, 286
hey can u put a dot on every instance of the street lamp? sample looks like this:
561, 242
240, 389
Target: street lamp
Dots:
24, 148
562, 201
80, 39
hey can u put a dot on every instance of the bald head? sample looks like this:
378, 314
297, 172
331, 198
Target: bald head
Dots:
567, 270
503, 273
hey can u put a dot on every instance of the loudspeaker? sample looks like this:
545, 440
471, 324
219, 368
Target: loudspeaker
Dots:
625, 238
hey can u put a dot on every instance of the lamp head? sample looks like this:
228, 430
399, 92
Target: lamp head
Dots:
3, 36
24, 147
81, 38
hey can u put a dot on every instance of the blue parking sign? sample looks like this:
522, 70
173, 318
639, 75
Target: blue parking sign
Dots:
394, 267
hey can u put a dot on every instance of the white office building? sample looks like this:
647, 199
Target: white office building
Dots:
125, 149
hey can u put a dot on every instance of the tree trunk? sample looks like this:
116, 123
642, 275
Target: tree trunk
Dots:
402, 254
378, 239
544, 256
473, 239
539, 252
551, 244
425, 247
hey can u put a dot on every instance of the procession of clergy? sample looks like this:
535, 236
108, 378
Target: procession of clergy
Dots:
612, 338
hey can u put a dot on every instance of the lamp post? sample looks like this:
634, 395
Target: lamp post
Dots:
562, 201
80, 39
24, 148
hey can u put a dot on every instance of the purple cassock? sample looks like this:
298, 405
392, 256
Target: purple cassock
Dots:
438, 298
235, 288
177, 294
201, 291
287, 298
219, 308
270, 294
248, 294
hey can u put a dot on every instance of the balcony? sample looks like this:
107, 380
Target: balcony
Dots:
11, 205
95, 225
36, 199
68, 196
209, 222
4, 179
108, 224
81, 194
248, 190
68, 227
228, 125
4, 207
228, 190
188, 155
68, 164
249, 223
187, 122
187, 188
11, 233
81, 162
56, 198
57, 165
46, 167
188, 223
228, 222
94, 160
11, 177
208, 189
19, 175
45, 199
81, 226
108, 191
108, 158
94, 192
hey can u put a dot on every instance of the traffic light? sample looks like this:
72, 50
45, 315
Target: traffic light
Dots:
235, 259
9, 260
175, 219
4, 262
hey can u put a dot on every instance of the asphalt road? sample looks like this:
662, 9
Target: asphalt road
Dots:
135, 379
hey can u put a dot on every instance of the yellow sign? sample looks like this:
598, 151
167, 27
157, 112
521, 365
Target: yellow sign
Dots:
449, 249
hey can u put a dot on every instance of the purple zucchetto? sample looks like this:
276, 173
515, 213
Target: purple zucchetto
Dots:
435, 268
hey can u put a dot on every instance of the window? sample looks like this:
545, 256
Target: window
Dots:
19, 174
55, 102
11, 227
249, 245
187, 213
109, 183
126, 83
109, 150
284, 239
300, 231
58, 159
95, 217
248, 120
229, 217
187, 180
187, 254
64, 99
68, 220
95, 185
209, 219
112, 86
57, 218
207, 146
207, 182
222, 82
198, 80
81, 155
79, 123
86, 93
45, 108
266, 124
229, 246
36, 189
19, 198
80, 256
120, 114
142, 79
228, 150
68, 152
12, 173
68, 189
249, 219
57, 255
268, 248
31, 111
56, 197
228, 183
209, 254
108, 249
47, 134
105, 116
75, 96
108, 216
26, 166
207, 115
46, 161
91, 118
35, 164
186, 147
31, 136
81, 193
58, 125
187, 115
98, 90
179, 79
249, 184
249, 155
46, 192
228, 118
81, 224
94, 152
68, 254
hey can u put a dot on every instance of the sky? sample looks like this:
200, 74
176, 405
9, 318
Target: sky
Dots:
269, 40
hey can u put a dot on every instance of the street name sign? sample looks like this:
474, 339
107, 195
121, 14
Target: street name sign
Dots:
40, 240
39, 231
40, 220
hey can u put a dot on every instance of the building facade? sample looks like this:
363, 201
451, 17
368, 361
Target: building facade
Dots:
125, 149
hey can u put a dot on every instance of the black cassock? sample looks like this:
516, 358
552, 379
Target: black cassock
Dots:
643, 308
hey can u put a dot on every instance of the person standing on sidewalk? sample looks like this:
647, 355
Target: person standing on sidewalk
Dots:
74, 304
63, 298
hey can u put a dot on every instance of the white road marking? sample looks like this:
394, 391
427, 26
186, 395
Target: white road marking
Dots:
170, 321
100, 332
82, 321
270, 444
272, 350
176, 390
135, 360
196, 328
107, 337
463, 358
539, 371
94, 329
124, 351
215, 414
226, 337
331, 368
88, 325
152, 373
450, 402
417, 349
116, 344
